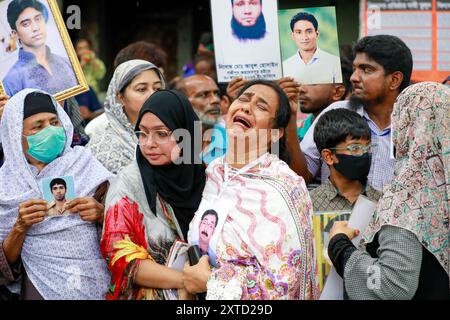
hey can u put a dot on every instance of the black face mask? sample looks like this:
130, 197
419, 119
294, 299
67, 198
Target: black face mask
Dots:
354, 167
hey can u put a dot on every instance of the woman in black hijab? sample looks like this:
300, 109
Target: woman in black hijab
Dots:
152, 201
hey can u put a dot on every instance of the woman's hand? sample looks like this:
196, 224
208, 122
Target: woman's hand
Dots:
90, 210
183, 294
342, 227
30, 213
195, 277
234, 86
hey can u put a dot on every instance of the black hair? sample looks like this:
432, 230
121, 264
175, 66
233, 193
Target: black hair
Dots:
390, 52
304, 16
347, 58
334, 126
142, 50
16, 7
205, 56
223, 89
206, 39
281, 117
211, 212
58, 181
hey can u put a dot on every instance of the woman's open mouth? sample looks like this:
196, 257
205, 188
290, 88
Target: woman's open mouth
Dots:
242, 122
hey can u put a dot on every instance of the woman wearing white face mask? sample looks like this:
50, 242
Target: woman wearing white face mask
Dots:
49, 254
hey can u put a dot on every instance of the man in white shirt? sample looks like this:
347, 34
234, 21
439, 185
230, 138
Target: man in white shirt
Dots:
310, 64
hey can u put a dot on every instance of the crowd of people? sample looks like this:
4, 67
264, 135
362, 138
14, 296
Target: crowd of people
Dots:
160, 155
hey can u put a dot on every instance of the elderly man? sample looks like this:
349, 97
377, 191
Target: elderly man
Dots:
203, 93
37, 66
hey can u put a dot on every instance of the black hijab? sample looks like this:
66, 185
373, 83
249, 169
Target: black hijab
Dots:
179, 185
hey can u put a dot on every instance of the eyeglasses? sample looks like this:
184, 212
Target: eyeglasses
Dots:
357, 149
158, 136
208, 224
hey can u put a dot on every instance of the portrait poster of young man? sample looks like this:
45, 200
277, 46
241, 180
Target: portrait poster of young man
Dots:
40, 54
309, 45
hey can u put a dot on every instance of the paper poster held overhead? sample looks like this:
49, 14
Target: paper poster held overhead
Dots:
255, 40
309, 45
246, 39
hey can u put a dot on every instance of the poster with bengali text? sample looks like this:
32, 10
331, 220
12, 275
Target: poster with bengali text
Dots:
246, 39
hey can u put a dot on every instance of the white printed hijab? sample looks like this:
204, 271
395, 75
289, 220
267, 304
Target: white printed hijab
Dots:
115, 147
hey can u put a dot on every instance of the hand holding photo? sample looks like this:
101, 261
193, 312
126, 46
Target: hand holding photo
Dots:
322, 223
206, 227
58, 192
208, 224
89, 209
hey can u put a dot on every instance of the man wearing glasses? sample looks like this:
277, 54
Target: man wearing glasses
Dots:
343, 139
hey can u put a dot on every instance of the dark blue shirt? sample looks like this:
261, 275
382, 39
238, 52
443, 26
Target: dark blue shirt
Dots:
89, 99
28, 73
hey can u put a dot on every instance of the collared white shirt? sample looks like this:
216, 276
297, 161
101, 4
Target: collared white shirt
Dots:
382, 167
250, 59
322, 68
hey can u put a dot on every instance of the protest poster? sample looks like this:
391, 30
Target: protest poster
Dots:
310, 45
322, 224
246, 40
58, 192
359, 219
36, 51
